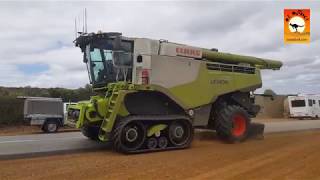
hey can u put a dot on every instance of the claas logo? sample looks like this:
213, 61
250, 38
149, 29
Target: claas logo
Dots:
188, 52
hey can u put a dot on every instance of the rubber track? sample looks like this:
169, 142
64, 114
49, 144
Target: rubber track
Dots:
126, 120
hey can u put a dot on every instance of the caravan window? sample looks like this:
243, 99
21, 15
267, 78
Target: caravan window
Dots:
310, 102
298, 103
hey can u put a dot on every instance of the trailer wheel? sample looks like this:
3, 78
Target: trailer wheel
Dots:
51, 126
232, 123
129, 136
91, 132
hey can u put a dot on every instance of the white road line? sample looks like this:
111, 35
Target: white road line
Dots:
18, 141
33, 140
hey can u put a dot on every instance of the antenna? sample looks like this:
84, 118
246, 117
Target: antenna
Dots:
85, 20
75, 27
81, 20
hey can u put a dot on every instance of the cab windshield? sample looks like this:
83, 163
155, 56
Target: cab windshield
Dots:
106, 65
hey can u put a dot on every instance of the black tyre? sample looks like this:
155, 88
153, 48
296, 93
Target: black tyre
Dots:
232, 123
51, 126
180, 133
129, 136
91, 132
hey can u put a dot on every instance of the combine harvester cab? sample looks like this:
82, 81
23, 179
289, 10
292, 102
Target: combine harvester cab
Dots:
152, 94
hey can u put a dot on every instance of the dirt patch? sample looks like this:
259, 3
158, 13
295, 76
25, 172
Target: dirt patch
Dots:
279, 156
24, 129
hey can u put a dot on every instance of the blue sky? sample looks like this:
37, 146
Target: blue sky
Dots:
31, 69
36, 38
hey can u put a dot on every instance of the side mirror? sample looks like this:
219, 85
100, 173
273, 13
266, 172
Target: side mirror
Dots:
139, 59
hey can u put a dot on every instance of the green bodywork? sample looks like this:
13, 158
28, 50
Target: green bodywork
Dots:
207, 86
156, 129
234, 58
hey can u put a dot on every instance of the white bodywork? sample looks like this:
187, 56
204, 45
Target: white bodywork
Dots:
65, 111
302, 106
164, 60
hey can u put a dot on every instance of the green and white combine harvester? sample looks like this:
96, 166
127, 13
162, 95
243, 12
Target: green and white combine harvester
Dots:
151, 94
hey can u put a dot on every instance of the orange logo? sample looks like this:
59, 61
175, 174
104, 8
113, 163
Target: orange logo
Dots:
296, 26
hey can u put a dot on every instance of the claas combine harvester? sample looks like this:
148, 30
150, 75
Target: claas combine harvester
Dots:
151, 94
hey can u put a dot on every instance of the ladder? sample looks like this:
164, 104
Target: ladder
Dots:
112, 110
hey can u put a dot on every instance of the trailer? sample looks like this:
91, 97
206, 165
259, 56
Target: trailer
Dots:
304, 106
47, 113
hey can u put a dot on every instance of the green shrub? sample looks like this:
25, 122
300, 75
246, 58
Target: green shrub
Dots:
11, 111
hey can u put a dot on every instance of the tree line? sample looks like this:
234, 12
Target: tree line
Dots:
67, 95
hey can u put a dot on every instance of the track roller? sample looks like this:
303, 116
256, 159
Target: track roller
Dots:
163, 142
152, 143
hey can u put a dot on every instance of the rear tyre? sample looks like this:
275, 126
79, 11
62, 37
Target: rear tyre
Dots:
91, 132
232, 123
51, 126
129, 136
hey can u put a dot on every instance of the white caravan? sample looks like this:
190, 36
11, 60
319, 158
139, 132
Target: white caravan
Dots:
304, 106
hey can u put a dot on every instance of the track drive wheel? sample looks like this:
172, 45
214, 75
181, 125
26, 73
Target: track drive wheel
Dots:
180, 133
232, 123
129, 136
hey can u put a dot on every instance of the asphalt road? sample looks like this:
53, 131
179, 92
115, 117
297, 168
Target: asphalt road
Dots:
42, 144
